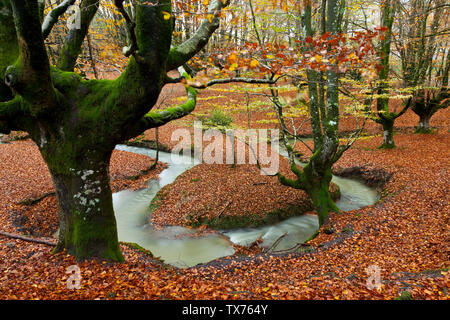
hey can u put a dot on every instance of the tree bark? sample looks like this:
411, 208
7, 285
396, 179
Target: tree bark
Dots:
388, 134
318, 188
9, 48
424, 124
87, 221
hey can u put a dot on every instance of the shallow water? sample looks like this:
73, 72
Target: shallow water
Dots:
174, 245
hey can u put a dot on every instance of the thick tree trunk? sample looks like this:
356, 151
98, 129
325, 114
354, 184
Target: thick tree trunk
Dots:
318, 188
424, 124
87, 221
8, 46
388, 135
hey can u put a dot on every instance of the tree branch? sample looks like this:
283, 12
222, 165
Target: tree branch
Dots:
184, 52
30, 76
9, 112
232, 80
158, 118
131, 26
405, 108
72, 47
52, 17
24, 238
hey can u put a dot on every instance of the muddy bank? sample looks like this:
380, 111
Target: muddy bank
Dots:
372, 177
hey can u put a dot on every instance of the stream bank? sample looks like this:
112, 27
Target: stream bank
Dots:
185, 247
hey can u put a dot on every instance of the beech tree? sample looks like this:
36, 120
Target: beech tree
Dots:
422, 43
385, 117
323, 91
76, 123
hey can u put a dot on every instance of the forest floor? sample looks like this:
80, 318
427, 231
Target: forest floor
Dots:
405, 234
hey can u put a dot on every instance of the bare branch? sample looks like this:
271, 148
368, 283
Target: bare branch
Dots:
73, 45
184, 52
232, 80
131, 26
52, 17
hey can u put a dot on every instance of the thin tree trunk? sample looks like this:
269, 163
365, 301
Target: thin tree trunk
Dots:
91, 56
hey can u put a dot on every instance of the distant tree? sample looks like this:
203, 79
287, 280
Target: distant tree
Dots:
422, 43
389, 9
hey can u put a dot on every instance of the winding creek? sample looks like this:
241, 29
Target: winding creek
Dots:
173, 244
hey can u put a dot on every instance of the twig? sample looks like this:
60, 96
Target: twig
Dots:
274, 245
24, 238
298, 245
32, 201
226, 206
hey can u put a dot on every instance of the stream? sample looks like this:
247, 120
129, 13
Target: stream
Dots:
173, 244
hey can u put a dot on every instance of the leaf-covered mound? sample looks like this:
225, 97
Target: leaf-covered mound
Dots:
224, 197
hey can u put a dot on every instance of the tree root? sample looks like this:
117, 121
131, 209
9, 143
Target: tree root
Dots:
24, 238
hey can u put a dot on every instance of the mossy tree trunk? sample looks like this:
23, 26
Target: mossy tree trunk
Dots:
9, 52
427, 103
384, 116
388, 133
77, 123
87, 221
323, 90
423, 110
317, 185
424, 124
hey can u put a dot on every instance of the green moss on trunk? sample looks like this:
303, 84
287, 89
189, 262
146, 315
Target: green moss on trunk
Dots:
388, 134
318, 188
8, 46
87, 222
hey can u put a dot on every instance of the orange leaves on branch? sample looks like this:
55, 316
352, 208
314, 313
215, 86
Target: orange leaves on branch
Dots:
254, 63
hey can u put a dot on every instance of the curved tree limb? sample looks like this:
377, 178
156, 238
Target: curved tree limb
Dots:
52, 17
30, 76
73, 45
405, 108
184, 52
157, 118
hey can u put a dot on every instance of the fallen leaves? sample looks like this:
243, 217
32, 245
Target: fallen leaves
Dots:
405, 234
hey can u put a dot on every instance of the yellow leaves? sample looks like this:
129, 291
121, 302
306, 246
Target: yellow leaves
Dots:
166, 15
318, 58
210, 17
254, 63
232, 58
233, 67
